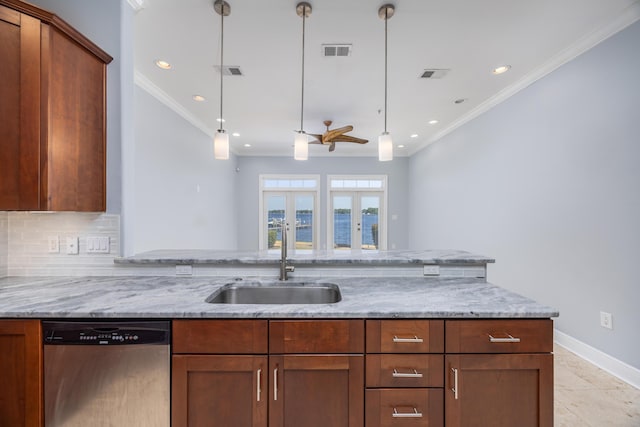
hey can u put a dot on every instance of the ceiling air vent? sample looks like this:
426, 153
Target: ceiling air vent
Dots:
434, 73
230, 70
336, 50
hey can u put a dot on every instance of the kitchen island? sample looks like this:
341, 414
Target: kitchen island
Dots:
433, 345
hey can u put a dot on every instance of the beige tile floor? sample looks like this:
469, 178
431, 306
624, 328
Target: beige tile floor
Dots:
587, 396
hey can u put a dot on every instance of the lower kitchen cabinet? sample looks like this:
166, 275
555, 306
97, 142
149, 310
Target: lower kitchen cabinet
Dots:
211, 390
21, 367
500, 390
316, 391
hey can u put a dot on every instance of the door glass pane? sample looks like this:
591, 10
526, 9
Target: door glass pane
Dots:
342, 212
275, 215
304, 222
370, 206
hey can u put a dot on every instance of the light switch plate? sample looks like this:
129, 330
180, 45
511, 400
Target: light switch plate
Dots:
73, 248
98, 245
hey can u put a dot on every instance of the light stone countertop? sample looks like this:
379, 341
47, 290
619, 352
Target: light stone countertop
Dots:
182, 297
393, 257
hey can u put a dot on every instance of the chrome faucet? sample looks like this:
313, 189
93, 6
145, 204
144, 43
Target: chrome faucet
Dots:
284, 268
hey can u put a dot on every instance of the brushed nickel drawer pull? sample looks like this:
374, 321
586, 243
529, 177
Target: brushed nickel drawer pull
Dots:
455, 383
259, 386
414, 374
414, 414
510, 338
414, 339
275, 384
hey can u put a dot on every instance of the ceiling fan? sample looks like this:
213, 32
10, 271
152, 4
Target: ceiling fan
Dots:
330, 137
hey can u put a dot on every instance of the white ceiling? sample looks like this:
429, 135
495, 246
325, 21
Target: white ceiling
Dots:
469, 37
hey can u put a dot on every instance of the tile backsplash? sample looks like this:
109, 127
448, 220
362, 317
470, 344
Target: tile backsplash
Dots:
28, 237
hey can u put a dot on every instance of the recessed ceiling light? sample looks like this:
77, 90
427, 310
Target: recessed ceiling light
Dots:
219, 120
414, 135
401, 146
460, 100
235, 134
247, 145
163, 64
198, 98
501, 69
433, 122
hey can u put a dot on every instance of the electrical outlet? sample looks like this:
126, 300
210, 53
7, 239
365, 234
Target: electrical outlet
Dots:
184, 270
53, 244
431, 270
606, 320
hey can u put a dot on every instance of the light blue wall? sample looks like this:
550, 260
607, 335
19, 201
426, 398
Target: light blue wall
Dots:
100, 21
247, 198
183, 197
548, 183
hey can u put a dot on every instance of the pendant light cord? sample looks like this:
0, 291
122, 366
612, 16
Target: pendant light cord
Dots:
304, 18
221, 59
386, 18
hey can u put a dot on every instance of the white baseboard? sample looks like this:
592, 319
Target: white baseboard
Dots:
615, 367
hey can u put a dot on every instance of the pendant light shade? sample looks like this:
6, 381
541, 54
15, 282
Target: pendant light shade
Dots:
301, 143
221, 145
221, 139
385, 147
385, 143
301, 146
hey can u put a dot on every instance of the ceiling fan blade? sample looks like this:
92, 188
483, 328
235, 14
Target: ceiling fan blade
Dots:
331, 134
332, 147
347, 138
317, 138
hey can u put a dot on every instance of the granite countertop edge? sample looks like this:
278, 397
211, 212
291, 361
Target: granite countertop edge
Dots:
179, 297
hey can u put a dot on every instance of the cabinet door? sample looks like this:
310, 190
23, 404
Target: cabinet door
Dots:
19, 111
316, 391
499, 390
21, 367
219, 391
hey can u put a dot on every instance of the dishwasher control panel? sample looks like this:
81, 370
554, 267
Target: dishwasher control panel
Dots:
105, 333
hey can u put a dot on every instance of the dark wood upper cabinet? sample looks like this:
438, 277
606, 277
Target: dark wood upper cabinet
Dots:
52, 113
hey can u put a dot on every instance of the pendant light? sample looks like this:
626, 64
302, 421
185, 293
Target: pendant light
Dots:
301, 143
385, 143
221, 139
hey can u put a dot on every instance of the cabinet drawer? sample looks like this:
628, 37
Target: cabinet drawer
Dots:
405, 370
220, 336
405, 336
419, 407
316, 336
499, 336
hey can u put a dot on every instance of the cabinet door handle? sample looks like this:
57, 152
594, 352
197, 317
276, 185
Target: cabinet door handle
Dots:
455, 383
508, 338
415, 339
275, 384
414, 414
259, 386
414, 374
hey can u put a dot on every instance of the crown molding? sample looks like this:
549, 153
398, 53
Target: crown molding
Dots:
628, 16
144, 83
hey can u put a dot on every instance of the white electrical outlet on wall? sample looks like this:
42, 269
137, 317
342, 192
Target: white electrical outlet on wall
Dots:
606, 320
73, 248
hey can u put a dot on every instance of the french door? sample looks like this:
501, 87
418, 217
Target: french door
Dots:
357, 220
297, 210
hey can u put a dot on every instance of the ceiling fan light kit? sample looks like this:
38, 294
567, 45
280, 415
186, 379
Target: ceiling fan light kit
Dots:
385, 143
221, 139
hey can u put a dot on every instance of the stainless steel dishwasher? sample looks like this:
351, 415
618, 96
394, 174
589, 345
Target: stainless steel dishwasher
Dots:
101, 374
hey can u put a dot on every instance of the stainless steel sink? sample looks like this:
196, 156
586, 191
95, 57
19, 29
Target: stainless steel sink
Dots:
276, 292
